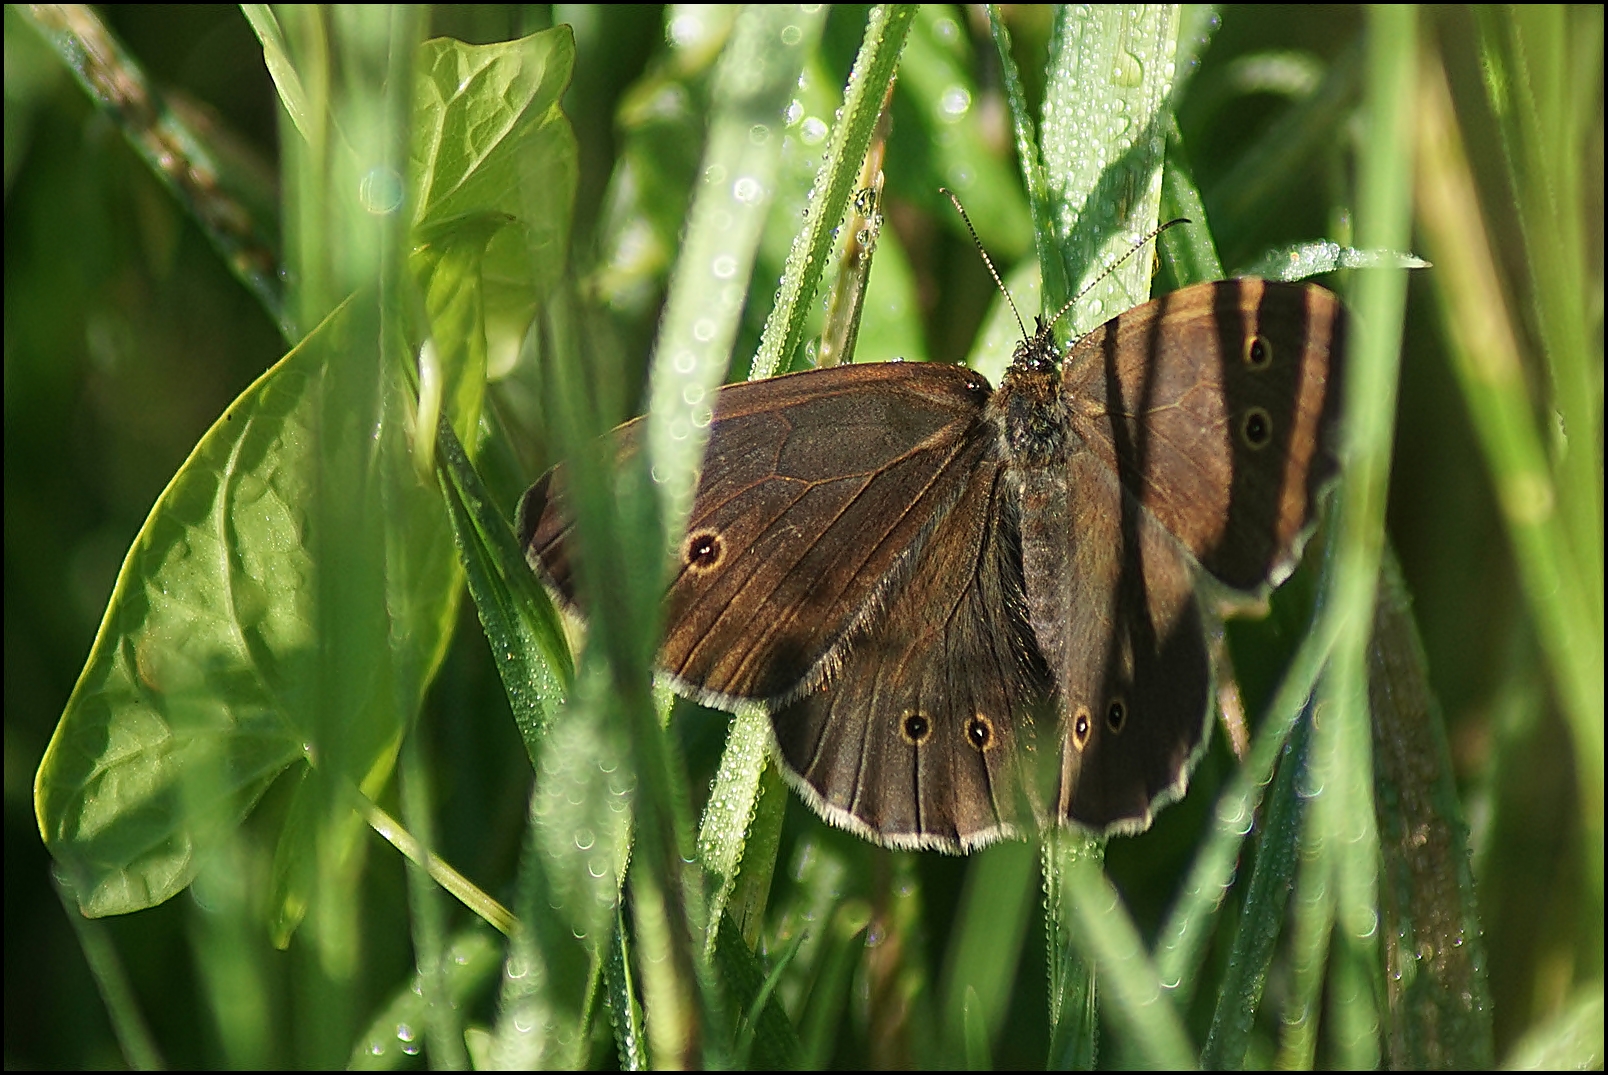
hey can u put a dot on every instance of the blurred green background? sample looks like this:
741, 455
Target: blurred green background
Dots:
126, 336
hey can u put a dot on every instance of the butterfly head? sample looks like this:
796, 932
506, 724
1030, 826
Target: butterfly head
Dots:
1038, 352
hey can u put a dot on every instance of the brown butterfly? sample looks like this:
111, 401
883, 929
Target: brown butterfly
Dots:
910, 571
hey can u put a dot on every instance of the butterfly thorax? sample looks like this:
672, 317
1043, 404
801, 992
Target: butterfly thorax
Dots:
1028, 409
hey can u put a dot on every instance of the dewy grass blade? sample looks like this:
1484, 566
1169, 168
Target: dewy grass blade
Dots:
1051, 266
756, 75
1343, 818
861, 230
754, 79
443, 1024
1074, 1009
757, 72
722, 838
873, 70
569, 883
515, 612
1102, 928
1240, 991
761, 845
1103, 186
474, 955
1104, 175
1437, 996
1181, 944
625, 1010
1311, 923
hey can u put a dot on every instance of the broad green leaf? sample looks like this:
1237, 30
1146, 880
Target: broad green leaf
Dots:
292, 590
209, 658
493, 150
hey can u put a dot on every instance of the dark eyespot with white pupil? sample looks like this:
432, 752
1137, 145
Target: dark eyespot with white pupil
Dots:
704, 550
916, 728
1116, 715
1256, 428
1258, 353
1080, 727
980, 732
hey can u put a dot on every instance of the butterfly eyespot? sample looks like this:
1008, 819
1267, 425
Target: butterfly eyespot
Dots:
915, 728
704, 550
1116, 715
1258, 352
980, 732
1256, 428
1081, 727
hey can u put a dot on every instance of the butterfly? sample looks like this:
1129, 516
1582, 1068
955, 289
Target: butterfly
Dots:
971, 611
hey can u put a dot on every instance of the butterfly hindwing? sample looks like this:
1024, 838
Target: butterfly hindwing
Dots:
1113, 608
919, 739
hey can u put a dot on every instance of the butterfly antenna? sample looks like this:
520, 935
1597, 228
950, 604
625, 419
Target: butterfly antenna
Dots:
961, 209
1115, 265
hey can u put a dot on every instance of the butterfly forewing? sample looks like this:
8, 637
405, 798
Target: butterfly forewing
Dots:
1214, 406
816, 489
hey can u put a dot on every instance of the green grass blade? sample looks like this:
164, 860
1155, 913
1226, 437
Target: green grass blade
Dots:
751, 897
729, 816
1539, 64
1051, 267
1484, 345
851, 135
985, 945
1104, 179
517, 615
1312, 923
821, 1023
975, 1033
760, 66
1090, 912
1180, 947
570, 874
625, 1007
1190, 250
1438, 1007
443, 1025
1343, 816
1103, 183
1261, 915
473, 957
766, 1039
